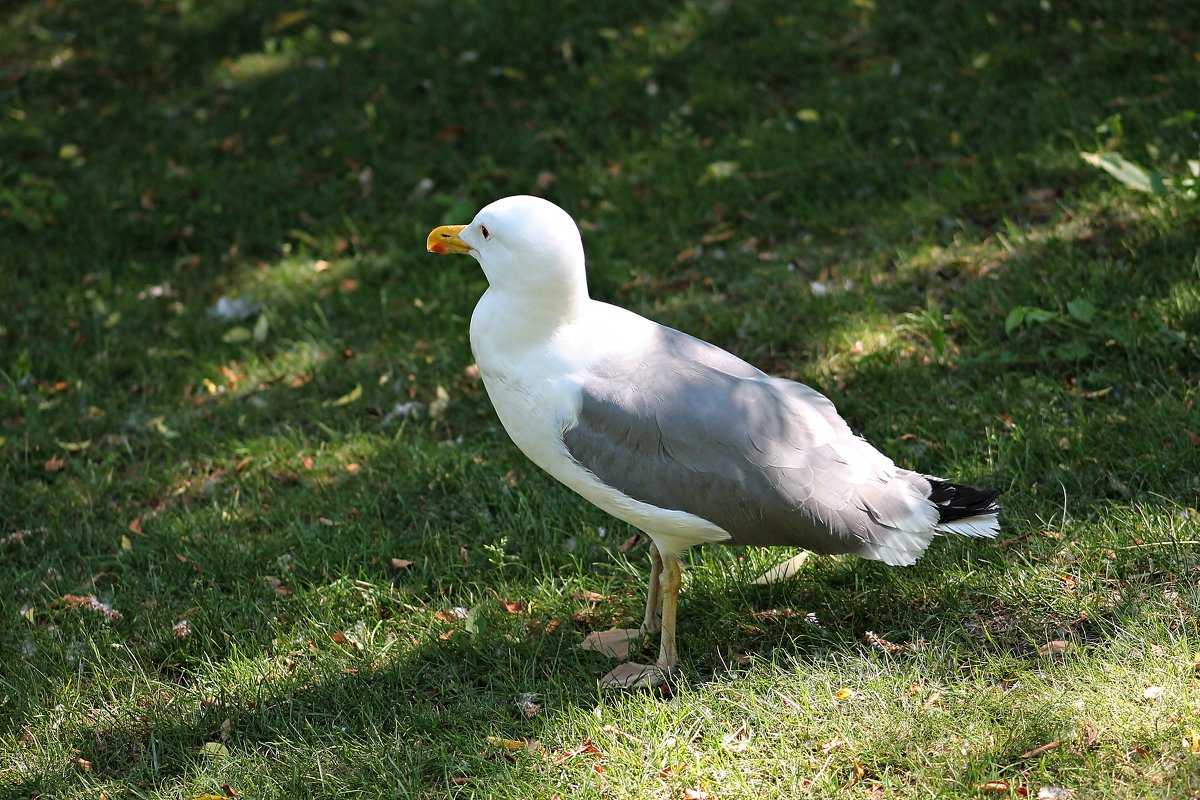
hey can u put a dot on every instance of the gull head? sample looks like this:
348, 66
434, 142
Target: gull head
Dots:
524, 244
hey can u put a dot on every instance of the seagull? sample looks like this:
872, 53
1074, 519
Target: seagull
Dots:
675, 436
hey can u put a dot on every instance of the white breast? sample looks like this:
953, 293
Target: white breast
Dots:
532, 382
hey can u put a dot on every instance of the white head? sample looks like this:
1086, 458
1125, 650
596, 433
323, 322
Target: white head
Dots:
526, 245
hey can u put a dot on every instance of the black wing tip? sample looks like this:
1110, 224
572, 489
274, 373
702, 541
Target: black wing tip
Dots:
957, 501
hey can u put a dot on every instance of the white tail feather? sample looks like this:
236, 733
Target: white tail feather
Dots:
984, 526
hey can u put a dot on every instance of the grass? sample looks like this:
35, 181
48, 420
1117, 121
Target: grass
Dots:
857, 195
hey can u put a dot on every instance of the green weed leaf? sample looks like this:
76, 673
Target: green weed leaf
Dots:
1081, 310
1130, 173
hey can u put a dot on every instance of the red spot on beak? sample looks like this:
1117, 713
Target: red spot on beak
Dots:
438, 247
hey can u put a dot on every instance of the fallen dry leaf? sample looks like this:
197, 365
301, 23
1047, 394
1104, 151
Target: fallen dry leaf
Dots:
928, 704
1056, 647
588, 596
343, 640
1191, 742
181, 629
613, 643
695, 794
587, 748
994, 787
229, 790
513, 606
401, 563
857, 775
83, 764
781, 572
276, 586
463, 555
54, 464
90, 603
880, 643
136, 526
844, 694
1037, 751
629, 543
507, 744
831, 745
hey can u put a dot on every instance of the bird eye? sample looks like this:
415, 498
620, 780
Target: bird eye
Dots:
484, 230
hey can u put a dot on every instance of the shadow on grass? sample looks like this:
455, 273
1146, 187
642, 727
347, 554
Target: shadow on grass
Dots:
222, 151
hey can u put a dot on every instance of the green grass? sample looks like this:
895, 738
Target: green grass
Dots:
921, 162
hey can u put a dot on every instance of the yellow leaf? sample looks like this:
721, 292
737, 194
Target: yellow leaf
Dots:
844, 694
287, 19
74, 447
27, 613
437, 409
346, 399
1195, 746
507, 744
126, 545
808, 115
213, 749
68, 152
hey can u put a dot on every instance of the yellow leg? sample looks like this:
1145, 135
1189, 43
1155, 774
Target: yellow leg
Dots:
651, 624
671, 575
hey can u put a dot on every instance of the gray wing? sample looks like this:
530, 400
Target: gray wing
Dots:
685, 425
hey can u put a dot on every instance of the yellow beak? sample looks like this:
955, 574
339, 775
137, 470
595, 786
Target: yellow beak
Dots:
445, 240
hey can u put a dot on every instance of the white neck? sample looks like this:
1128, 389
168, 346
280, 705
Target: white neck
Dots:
506, 322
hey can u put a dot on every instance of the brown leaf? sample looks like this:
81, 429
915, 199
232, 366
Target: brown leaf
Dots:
1090, 735
90, 603
1037, 751
1056, 647
276, 586
928, 704
182, 629
229, 790
612, 643
1195, 438
513, 606
629, 543
401, 563
146, 201
54, 464
831, 745
343, 640
83, 764
136, 526
880, 643
775, 613
588, 596
463, 555
994, 787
